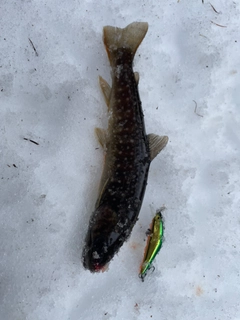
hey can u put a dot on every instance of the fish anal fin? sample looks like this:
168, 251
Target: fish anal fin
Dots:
156, 144
106, 90
136, 76
102, 136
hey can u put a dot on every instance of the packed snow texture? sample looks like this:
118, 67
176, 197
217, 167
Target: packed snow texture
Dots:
189, 64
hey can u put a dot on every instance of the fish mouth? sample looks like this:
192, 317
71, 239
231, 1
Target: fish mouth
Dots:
96, 256
97, 267
100, 268
94, 262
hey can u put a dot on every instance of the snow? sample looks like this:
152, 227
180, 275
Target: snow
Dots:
48, 191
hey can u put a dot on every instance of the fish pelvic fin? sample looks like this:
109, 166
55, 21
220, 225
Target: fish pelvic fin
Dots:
117, 40
102, 137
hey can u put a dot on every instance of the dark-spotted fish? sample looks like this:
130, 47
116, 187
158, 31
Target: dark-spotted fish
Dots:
128, 151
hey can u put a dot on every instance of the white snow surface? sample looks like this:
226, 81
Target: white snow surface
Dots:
189, 57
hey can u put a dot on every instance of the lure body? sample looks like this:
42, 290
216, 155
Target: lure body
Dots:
128, 151
154, 244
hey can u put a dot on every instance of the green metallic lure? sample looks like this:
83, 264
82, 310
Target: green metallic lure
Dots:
154, 244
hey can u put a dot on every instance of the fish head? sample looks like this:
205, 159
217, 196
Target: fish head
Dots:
104, 238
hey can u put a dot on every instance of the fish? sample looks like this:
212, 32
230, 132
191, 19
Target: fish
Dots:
154, 244
128, 151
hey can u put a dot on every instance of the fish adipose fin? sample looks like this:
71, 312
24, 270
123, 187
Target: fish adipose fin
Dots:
156, 144
106, 90
128, 38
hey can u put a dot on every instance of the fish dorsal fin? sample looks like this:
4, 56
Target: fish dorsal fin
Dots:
136, 76
156, 144
102, 136
106, 90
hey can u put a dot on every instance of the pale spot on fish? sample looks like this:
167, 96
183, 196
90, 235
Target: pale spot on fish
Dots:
95, 255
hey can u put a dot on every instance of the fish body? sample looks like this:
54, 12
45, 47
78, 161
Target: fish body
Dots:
128, 151
154, 244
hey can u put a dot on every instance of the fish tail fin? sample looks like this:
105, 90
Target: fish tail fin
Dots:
116, 39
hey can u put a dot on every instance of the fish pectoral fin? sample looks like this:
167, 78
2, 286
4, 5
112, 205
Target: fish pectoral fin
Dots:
136, 76
106, 90
102, 136
156, 144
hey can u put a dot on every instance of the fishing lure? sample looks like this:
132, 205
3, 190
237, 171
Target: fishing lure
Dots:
154, 244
